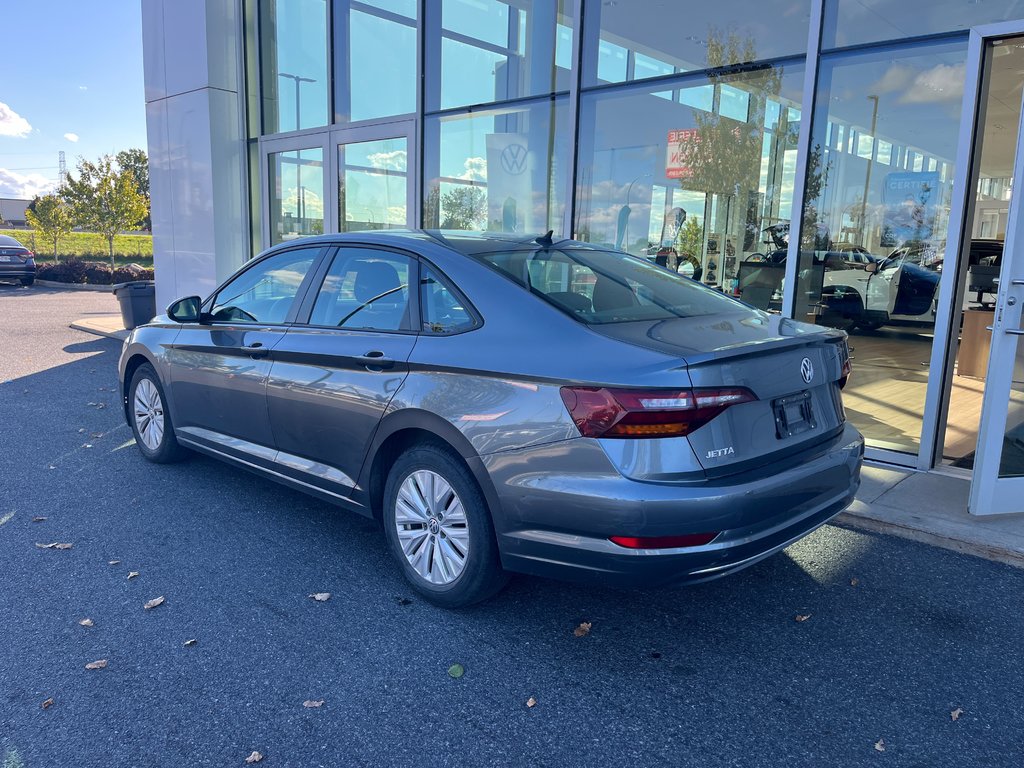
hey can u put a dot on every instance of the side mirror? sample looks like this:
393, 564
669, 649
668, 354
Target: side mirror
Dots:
871, 267
187, 310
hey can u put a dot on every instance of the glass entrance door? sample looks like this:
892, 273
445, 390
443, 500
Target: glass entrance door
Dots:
998, 483
373, 172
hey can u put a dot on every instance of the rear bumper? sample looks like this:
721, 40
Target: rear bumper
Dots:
558, 523
16, 271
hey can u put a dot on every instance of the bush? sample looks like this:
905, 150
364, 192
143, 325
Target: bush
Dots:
94, 273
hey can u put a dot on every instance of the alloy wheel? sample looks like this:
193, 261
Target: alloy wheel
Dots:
149, 414
432, 527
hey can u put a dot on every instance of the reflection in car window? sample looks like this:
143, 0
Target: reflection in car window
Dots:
443, 310
606, 287
265, 292
366, 289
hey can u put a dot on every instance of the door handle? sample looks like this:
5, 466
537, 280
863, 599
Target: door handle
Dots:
256, 350
375, 359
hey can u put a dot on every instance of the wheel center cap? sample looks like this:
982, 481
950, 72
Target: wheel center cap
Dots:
433, 526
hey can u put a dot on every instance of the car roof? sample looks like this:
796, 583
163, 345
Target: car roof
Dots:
468, 243
9, 241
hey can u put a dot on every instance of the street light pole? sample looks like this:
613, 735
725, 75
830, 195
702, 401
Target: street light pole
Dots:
299, 203
867, 177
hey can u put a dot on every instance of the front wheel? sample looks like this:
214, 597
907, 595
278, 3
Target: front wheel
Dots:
439, 528
149, 419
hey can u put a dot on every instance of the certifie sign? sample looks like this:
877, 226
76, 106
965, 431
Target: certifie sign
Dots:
676, 163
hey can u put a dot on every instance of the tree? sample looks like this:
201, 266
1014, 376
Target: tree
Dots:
137, 163
104, 199
50, 216
691, 238
464, 207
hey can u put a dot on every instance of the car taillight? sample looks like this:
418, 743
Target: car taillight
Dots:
664, 542
613, 412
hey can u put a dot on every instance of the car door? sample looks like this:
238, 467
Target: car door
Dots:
334, 374
219, 366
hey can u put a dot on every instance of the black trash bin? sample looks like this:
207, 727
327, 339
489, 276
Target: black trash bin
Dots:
138, 302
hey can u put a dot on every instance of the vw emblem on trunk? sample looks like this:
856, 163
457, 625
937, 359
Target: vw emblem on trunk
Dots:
806, 370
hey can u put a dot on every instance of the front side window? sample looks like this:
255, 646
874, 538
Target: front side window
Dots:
599, 287
365, 289
265, 292
443, 310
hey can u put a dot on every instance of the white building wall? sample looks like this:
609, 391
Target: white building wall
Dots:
195, 135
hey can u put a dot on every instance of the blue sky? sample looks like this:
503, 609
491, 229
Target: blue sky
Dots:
72, 81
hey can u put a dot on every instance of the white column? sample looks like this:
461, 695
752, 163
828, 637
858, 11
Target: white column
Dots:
196, 139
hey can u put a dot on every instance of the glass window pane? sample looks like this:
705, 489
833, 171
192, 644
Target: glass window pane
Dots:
296, 194
492, 50
683, 37
265, 292
690, 187
860, 208
365, 86
442, 308
365, 288
850, 22
294, 61
503, 169
373, 185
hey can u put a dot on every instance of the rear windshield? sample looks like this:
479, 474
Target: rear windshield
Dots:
607, 287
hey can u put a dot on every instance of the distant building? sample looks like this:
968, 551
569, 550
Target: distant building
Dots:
12, 211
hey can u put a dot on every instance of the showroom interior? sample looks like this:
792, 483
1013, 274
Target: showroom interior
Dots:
843, 162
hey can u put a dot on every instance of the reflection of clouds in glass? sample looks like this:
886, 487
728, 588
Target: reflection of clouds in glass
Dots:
476, 169
943, 82
314, 204
392, 161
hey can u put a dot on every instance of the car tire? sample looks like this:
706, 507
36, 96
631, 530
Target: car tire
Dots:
150, 420
26, 281
426, 543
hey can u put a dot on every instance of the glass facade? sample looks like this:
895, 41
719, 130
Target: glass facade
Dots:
677, 132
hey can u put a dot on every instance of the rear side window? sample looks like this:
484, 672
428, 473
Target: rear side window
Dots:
607, 287
444, 311
264, 293
365, 289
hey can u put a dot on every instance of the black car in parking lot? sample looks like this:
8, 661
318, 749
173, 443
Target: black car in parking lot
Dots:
16, 261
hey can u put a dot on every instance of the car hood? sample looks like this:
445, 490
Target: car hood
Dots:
720, 336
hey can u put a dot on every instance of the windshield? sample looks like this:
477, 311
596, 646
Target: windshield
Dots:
607, 287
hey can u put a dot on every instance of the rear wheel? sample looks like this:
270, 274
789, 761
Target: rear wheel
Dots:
149, 419
439, 528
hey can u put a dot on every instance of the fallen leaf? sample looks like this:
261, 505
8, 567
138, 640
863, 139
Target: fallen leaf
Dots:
531, 702
100, 664
190, 642
255, 757
86, 622
113, 562
309, 704
321, 597
154, 603
96, 435
132, 574
38, 519
854, 582
955, 714
47, 704
880, 745
583, 629
803, 616
403, 601
52, 466
54, 545
81, 430
87, 445
456, 671
101, 405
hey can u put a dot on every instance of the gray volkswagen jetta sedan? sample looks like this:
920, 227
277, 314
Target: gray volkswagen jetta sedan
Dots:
507, 404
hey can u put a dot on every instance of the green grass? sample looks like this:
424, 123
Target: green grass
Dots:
88, 245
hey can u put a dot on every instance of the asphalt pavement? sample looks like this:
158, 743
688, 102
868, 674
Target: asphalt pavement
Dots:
906, 655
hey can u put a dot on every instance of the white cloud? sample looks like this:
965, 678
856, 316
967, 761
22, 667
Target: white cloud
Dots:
83, 87
71, 136
476, 169
11, 123
14, 184
392, 161
942, 82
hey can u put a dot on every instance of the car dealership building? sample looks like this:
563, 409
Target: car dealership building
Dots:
883, 134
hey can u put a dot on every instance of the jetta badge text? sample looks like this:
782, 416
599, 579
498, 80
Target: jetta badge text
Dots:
806, 370
719, 452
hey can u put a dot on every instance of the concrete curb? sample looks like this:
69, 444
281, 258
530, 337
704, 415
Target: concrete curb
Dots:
75, 286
